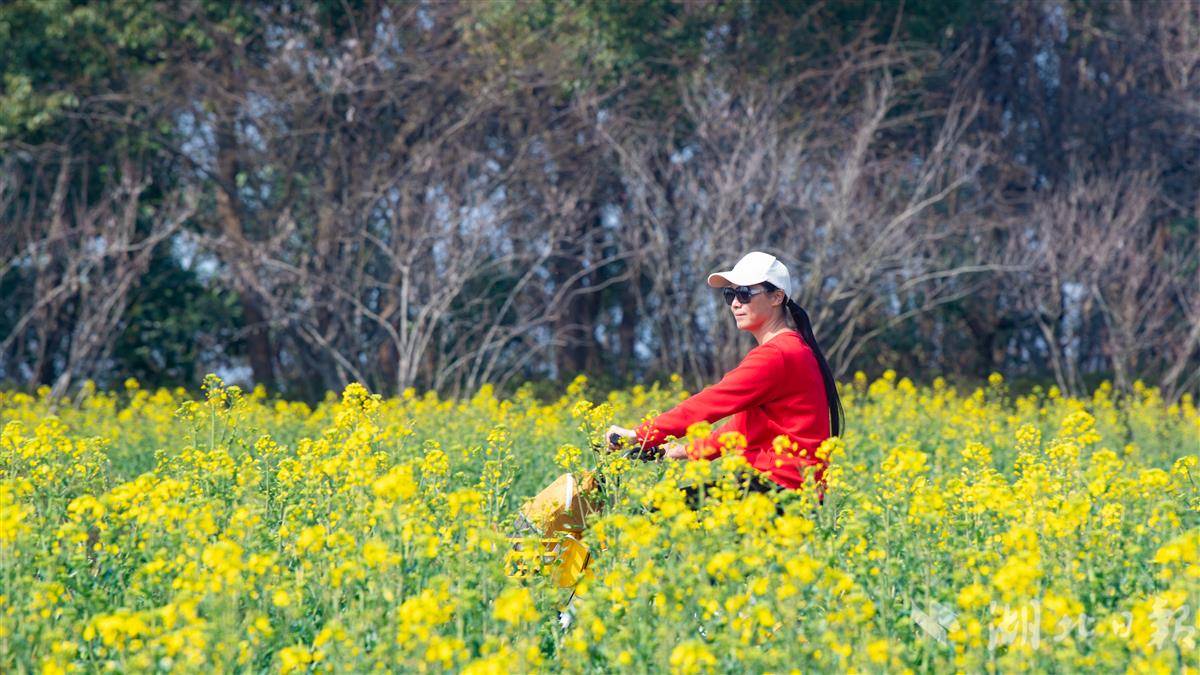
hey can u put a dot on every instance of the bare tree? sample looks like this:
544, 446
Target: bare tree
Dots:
448, 194
798, 168
877, 227
395, 199
79, 258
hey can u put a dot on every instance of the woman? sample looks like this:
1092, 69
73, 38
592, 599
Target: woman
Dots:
782, 387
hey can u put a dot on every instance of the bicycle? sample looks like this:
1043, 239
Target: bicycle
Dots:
557, 518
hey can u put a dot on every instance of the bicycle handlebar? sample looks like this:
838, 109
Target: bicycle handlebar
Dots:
648, 454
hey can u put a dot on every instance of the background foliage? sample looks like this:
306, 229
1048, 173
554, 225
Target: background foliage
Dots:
443, 194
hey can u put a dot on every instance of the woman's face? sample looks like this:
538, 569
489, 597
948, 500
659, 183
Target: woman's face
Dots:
762, 308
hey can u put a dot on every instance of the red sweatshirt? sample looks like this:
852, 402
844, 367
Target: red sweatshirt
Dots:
776, 390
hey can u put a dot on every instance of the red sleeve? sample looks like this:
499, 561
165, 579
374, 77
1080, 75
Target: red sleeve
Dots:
747, 385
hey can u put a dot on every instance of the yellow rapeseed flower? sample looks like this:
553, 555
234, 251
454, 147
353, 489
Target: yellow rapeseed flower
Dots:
514, 606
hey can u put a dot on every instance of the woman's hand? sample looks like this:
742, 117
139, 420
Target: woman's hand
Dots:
619, 433
675, 450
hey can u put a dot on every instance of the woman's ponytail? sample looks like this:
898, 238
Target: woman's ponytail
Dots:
804, 326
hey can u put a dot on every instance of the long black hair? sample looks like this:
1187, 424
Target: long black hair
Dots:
804, 326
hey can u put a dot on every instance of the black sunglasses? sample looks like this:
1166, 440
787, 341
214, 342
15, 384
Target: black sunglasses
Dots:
742, 293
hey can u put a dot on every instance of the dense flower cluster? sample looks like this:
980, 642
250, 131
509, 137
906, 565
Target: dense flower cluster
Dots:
146, 531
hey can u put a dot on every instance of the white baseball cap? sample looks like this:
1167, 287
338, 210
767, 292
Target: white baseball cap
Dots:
754, 268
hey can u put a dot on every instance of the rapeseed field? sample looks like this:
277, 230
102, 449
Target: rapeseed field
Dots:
961, 530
